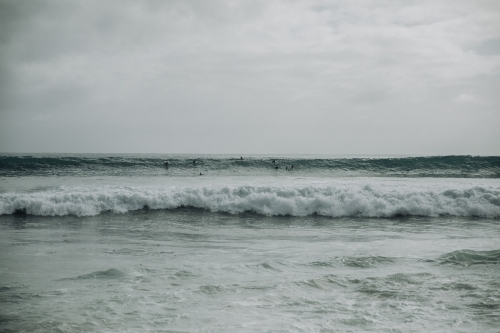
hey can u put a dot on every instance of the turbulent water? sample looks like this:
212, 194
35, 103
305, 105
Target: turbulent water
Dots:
123, 243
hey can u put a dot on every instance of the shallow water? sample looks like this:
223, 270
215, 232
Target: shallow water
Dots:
189, 270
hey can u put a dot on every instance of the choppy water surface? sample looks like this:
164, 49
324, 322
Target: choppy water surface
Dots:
121, 243
13, 165
189, 271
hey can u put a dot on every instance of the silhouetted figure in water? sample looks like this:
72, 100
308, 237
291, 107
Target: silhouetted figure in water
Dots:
291, 166
274, 161
166, 165
201, 174
286, 168
194, 161
276, 167
241, 157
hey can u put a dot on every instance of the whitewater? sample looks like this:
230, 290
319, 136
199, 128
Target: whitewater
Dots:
381, 198
219, 243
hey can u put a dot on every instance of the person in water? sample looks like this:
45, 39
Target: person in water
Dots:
194, 161
241, 157
166, 164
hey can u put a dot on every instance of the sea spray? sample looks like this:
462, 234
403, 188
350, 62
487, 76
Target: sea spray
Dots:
336, 199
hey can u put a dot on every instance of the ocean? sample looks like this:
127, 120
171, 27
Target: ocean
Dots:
260, 243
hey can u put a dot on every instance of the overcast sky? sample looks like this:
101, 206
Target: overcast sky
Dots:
214, 76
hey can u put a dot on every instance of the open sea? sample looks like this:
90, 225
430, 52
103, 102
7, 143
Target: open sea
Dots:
215, 243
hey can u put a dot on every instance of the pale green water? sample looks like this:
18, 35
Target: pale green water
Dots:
189, 270
121, 243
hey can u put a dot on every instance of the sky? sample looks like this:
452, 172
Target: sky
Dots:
250, 77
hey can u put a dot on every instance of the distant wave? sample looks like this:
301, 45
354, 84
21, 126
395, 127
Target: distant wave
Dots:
92, 165
364, 200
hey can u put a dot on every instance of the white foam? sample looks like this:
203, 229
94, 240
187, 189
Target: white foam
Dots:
367, 199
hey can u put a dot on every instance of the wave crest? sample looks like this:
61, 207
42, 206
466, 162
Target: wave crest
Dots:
333, 200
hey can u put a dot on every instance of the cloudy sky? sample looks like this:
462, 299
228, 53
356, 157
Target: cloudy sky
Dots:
231, 76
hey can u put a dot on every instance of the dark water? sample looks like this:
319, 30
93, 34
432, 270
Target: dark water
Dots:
181, 165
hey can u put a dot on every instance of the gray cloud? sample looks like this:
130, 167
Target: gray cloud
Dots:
250, 76
489, 46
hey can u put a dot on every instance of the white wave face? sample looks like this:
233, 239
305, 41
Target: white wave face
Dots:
368, 199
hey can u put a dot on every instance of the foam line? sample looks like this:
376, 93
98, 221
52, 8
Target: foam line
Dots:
370, 200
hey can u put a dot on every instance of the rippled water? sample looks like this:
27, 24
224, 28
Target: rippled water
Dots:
188, 270
121, 243
14, 165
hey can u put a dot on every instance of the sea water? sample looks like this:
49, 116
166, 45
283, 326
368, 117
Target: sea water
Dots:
121, 243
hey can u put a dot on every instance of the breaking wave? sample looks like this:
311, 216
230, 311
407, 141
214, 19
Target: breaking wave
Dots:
338, 200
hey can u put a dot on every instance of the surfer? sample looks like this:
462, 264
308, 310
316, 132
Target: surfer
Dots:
166, 165
194, 161
274, 161
241, 158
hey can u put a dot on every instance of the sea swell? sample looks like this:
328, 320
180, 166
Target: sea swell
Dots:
178, 166
333, 200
